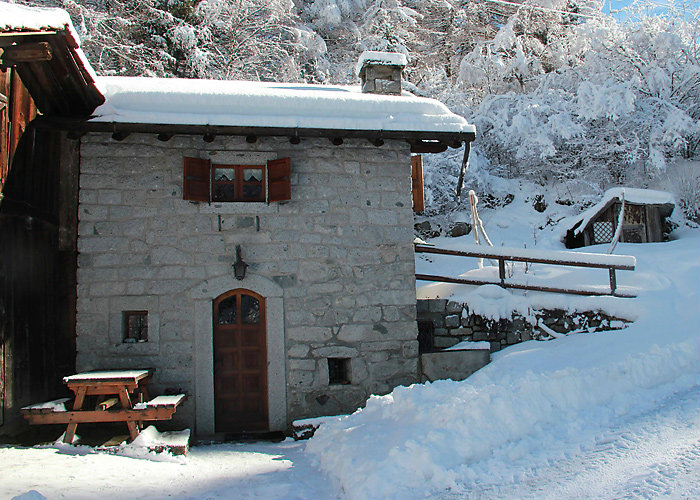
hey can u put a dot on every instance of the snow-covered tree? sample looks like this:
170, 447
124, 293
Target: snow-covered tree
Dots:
558, 90
607, 102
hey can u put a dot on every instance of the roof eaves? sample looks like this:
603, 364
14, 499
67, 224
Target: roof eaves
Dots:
63, 85
427, 139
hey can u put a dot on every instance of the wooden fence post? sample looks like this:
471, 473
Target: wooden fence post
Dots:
613, 281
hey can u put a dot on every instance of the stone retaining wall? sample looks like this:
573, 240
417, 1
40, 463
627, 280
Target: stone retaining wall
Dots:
452, 322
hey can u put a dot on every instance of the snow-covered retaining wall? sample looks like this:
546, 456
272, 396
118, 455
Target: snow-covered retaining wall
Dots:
448, 322
455, 364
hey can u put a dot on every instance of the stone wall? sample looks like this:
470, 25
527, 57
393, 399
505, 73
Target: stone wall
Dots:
452, 322
339, 253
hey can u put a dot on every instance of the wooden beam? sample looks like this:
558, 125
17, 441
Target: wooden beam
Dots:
71, 78
26, 52
7, 39
96, 416
120, 135
516, 258
535, 288
463, 169
106, 404
185, 129
428, 147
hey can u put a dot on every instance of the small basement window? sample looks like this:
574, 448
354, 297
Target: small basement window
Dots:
426, 336
135, 326
338, 371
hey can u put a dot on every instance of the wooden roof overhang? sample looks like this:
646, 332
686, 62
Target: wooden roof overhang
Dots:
51, 67
420, 141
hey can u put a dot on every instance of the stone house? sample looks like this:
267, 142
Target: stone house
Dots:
252, 242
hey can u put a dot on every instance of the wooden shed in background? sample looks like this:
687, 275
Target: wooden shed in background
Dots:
644, 219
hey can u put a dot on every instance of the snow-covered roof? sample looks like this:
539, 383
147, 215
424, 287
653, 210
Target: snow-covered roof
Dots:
381, 58
269, 105
218, 103
639, 196
632, 195
15, 17
74, 91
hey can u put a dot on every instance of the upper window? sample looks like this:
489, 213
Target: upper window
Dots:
206, 182
238, 182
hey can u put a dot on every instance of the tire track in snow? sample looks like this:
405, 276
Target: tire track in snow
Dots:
646, 455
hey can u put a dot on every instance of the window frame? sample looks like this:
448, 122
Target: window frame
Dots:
339, 371
238, 182
126, 328
199, 181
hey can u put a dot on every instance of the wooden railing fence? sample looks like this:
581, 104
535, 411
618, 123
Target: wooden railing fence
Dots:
502, 254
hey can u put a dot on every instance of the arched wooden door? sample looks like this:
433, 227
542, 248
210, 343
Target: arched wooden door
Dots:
240, 362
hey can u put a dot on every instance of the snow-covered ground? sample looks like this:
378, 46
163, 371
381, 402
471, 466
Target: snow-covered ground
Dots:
585, 416
268, 471
607, 415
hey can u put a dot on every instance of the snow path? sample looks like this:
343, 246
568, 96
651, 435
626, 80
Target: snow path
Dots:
650, 455
226, 471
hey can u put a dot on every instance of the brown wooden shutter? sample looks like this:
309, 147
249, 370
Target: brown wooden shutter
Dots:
279, 184
417, 183
196, 179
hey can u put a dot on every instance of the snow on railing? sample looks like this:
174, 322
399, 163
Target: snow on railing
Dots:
552, 257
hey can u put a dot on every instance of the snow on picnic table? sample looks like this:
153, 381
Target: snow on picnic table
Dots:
106, 375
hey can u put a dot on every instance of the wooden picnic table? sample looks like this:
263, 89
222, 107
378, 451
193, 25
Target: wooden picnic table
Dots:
115, 388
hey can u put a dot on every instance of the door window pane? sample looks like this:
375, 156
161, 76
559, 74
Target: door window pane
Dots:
227, 311
250, 309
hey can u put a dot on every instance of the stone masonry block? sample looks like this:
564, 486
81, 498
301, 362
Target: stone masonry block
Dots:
452, 321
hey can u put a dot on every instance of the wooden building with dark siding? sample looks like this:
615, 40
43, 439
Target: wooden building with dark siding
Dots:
38, 216
644, 220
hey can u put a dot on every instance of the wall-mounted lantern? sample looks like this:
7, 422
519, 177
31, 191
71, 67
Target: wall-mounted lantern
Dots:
239, 267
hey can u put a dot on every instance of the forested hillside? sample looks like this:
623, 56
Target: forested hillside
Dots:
560, 92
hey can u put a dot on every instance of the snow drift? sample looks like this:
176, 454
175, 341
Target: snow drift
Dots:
424, 440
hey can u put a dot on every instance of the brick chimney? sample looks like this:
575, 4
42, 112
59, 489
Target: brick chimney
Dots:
380, 72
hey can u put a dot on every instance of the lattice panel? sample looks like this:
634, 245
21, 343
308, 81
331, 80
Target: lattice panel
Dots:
603, 232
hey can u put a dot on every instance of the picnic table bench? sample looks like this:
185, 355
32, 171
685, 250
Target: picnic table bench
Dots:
120, 385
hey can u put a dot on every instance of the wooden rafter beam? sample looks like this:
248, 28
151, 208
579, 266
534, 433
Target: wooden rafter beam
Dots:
425, 142
26, 52
8, 39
